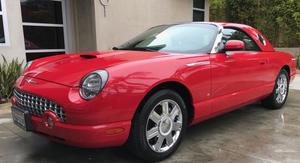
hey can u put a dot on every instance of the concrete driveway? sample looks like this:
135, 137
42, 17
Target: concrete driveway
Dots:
250, 134
296, 83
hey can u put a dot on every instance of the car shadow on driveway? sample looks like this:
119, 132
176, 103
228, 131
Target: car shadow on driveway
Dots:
54, 152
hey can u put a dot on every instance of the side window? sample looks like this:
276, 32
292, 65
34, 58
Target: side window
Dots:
235, 34
261, 39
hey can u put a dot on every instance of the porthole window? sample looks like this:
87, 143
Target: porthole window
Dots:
262, 40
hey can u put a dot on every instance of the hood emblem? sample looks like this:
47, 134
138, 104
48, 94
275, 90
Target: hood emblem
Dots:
31, 81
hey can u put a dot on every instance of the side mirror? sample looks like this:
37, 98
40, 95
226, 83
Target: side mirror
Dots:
234, 45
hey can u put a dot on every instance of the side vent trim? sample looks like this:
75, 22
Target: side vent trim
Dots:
87, 56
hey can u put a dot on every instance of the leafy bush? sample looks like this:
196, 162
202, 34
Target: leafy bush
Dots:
278, 20
9, 73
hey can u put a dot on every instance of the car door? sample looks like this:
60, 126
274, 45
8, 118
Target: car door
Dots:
235, 74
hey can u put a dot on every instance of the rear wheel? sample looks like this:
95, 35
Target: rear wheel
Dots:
278, 98
158, 127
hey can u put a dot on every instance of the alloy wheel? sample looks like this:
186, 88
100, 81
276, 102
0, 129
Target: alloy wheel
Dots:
164, 125
281, 90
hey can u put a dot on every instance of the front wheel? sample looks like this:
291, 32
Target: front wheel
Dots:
278, 98
158, 126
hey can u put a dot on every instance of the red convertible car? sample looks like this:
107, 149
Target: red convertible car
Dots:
146, 92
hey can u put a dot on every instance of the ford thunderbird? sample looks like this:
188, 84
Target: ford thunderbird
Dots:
146, 92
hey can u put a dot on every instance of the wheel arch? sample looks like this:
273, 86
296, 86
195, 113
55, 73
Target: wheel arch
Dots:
287, 69
176, 86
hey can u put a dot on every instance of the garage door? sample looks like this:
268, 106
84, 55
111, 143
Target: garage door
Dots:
44, 28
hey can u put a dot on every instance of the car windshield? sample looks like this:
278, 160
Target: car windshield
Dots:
183, 38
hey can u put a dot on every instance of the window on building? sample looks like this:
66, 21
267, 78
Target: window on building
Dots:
199, 10
44, 28
4, 39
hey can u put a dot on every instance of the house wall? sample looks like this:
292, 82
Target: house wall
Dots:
81, 26
89, 30
206, 15
16, 47
294, 51
125, 20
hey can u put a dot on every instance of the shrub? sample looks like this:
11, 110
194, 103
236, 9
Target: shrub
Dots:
9, 73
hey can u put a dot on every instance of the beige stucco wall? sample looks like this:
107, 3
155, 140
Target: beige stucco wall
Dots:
126, 19
89, 30
80, 28
16, 47
81, 25
206, 16
294, 51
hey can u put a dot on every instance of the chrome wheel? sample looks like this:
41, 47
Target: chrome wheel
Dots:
281, 90
164, 125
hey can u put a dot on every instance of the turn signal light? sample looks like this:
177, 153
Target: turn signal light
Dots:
113, 131
50, 122
49, 119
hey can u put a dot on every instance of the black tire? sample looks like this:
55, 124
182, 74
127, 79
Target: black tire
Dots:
271, 102
138, 144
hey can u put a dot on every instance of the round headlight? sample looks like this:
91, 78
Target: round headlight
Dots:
92, 84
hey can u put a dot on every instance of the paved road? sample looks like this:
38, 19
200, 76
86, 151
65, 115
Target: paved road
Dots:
250, 134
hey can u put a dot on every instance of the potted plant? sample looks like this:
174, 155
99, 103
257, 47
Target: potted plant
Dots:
9, 73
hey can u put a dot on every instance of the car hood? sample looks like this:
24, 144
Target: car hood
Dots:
69, 69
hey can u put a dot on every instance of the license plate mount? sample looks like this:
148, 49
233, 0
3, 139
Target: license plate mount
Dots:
21, 118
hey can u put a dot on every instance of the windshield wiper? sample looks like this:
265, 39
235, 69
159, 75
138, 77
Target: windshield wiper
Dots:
144, 49
115, 48
135, 49
149, 48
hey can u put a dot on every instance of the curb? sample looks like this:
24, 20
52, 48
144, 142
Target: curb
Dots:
5, 108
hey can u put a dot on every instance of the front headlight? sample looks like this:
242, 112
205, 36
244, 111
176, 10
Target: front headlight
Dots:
92, 84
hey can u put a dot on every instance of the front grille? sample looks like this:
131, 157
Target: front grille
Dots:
37, 105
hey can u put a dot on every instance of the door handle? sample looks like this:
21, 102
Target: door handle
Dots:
262, 62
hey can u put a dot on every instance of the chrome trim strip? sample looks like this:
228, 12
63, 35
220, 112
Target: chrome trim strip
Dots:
198, 63
37, 105
31, 81
218, 40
